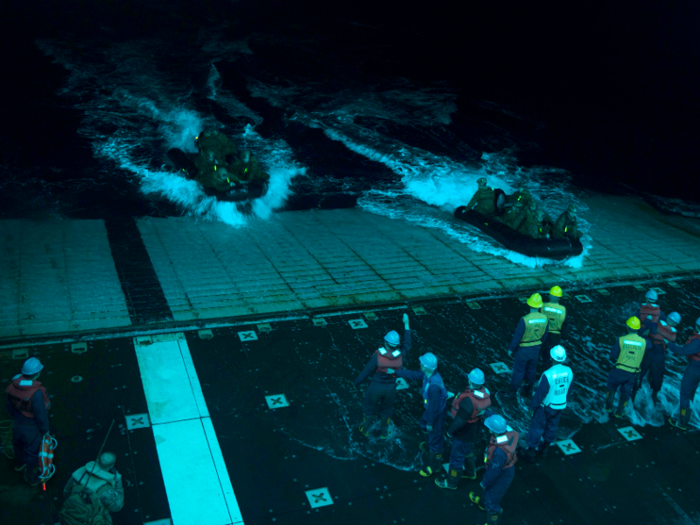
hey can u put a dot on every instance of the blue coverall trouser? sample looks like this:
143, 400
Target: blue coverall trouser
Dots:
26, 440
382, 394
689, 383
495, 492
460, 450
623, 379
544, 423
525, 366
655, 361
435, 438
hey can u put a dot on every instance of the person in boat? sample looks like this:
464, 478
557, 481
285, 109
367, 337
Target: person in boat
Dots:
247, 169
213, 174
216, 154
484, 199
223, 148
523, 196
567, 225
533, 224
514, 215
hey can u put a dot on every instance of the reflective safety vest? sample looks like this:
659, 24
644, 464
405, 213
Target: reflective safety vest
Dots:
559, 378
508, 443
632, 349
556, 315
435, 379
663, 331
481, 400
386, 359
651, 311
694, 357
21, 391
535, 325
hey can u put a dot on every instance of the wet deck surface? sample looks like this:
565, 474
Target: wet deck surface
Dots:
273, 456
66, 277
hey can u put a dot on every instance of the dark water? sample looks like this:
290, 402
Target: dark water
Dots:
398, 109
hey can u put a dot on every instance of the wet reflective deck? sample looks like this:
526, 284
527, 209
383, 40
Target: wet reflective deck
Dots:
87, 276
261, 419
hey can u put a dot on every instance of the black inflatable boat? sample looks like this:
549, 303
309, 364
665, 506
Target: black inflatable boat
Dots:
184, 164
511, 239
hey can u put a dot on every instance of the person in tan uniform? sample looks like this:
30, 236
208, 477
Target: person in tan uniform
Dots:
93, 492
567, 225
484, 200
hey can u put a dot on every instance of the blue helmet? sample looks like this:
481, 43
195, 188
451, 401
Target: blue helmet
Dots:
496, 424
392, 338
477, 377
31, 366
428, 360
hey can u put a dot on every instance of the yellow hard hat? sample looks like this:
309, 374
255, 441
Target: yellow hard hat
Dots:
556, 291
633, 323
535, 301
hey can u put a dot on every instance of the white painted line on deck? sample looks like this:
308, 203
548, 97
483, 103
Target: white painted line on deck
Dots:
194, 472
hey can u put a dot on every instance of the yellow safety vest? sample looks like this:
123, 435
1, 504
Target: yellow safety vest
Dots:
556, 314
632, 349
535, 325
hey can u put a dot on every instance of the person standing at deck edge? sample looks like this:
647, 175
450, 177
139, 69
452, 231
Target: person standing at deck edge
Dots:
435, 397
382, 389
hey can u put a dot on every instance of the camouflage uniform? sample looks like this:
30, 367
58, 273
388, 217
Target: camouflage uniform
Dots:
484, 199
523, 195
211, 174
248, 171
217, 143
533, 225
566, 225
514, 216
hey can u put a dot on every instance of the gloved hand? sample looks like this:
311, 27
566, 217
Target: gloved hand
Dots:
390, 371
450, 394
429, 428
510, 354
405, 321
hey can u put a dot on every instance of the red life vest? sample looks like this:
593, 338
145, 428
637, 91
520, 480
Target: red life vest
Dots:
508, 446
21, 391
663, 331
694, 357
479, 402
387, 359
648, 309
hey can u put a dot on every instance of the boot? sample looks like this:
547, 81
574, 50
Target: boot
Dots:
655, 397
526, 389
609, 401
432, 465
620, 409
31, 476
364, 426
682, 421
385, 428
451, 481
492, 518
469, 471
477, 500
530, 454
544, 448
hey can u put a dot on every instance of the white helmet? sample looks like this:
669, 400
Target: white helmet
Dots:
651, 295
558, 353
